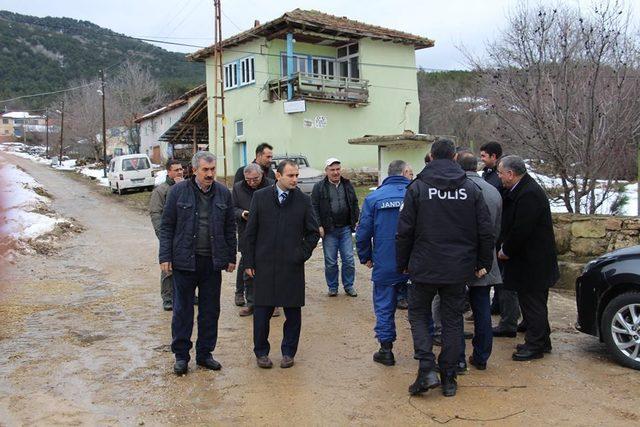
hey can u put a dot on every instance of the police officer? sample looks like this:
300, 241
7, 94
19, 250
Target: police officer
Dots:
445, 239
375, 242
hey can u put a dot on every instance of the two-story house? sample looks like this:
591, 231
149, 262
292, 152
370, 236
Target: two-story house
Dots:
13, 125
307, 82
169, 130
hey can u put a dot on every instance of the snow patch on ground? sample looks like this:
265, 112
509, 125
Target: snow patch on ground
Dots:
25, 214
94, 173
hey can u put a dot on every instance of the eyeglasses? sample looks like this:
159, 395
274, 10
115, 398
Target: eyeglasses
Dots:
256, 179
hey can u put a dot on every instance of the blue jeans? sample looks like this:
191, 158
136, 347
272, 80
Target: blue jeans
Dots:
338, 240
482, 334
384, 305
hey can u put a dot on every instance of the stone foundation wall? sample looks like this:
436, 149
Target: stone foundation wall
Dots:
580, 238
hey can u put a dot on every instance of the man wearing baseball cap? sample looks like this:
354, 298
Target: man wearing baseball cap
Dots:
335, 205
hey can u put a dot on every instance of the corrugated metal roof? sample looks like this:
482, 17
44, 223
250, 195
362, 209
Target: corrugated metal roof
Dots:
313, 20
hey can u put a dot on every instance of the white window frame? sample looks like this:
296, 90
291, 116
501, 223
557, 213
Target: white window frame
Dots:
231, 75
347, 59
239, 137
247, 71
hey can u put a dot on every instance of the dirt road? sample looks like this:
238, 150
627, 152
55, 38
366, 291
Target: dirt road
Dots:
84, 341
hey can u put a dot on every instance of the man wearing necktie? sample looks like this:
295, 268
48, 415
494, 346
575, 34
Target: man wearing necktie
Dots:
281, 234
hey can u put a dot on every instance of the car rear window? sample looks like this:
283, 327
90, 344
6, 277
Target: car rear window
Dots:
135, 164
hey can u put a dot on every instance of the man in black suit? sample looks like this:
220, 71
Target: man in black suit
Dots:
528, 250
281, 233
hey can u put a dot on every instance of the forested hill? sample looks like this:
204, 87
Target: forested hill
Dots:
46, 54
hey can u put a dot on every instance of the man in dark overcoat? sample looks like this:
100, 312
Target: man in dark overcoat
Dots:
280, 236
242, 193
528, 250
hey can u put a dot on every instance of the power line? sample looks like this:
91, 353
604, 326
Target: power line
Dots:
48, 93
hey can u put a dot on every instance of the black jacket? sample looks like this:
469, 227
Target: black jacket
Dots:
268, 172
241, 196
445, 232
322, 204
178, 231
527, 238
279, 238
491, 176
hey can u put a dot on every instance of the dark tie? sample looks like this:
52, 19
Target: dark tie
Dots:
283, 197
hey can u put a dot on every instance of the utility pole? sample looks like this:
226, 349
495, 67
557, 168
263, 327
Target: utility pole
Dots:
219, 88
104, 129
46, 122
61, 132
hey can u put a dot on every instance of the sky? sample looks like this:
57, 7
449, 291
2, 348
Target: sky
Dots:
453, 24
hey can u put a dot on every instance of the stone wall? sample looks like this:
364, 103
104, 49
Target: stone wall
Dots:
580, 238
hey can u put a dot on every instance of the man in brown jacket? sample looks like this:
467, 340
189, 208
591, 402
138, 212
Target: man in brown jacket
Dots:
156, 206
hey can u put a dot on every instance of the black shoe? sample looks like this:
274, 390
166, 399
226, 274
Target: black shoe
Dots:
180, 367
385, 355
402, 304
461, 368
525, 354
351, 292
449, 384
209, 363
500, 333
479, 366
425, 381
167, 306
333, 292
467, 335
437, 340
546, 349
522, 327
264, 362
239, 300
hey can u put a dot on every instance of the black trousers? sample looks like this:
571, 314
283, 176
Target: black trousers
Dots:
452, 299
291, 330
533, 304
208, 282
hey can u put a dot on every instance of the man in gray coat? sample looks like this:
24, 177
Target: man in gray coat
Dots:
479, 288
156, 206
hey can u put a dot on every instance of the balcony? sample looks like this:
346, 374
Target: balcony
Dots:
321, 88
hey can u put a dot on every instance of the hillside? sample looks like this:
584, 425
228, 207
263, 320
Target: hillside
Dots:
46, 54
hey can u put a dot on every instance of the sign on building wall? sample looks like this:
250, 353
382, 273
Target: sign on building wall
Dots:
318, 122
295, 107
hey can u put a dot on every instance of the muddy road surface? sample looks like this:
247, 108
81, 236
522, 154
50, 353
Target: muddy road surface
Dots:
84, 341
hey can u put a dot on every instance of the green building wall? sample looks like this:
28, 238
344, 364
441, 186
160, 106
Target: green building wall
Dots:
393, 106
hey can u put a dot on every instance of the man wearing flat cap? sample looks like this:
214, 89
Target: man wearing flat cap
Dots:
335, 205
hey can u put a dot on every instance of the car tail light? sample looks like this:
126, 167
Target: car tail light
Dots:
121, 177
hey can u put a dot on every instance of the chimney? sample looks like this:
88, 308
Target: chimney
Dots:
256, 23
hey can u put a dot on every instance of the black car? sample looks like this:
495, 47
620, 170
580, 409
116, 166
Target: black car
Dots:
608, 298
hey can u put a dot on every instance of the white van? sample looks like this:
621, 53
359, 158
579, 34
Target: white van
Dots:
130, 171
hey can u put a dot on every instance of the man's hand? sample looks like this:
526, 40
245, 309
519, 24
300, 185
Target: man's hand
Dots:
369, 264
321, 230
481, 273
502, 256
231, 267
250, 272
165, 267
245, 215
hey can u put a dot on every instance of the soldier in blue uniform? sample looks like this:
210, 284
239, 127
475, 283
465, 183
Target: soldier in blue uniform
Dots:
375, 242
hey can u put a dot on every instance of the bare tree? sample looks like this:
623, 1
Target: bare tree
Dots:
135, 91
453, 103
566, 88
130, 91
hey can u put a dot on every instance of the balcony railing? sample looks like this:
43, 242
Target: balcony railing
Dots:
321, 88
